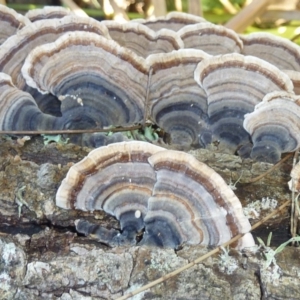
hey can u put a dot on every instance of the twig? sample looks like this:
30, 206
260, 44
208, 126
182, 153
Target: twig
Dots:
294, 213
203, 257
74, 8
67, 131
147, 97
271, 169
229, 6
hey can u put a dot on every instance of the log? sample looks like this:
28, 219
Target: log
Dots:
44, 257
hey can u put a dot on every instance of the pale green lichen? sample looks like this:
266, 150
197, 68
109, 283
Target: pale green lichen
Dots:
54, 138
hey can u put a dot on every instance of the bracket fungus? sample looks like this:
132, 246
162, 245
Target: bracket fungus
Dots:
141, 39
104, 88
213, 39
173, 21
10, 22
47, 12
176, 103
274, 126
234, 84
14, 51
281, 52
169, 194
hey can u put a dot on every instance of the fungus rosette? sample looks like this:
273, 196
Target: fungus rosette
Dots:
176, 103
276, 50
10, 22
213, 39
142, 40
172, 196
99, 83
274, 126
234, 84
173, 21
14, 51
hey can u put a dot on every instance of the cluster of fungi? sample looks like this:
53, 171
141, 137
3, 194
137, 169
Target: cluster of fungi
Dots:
201, 83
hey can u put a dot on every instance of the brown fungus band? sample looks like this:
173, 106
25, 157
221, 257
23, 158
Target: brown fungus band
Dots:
168, 194
213, 39
173, 21
10, 22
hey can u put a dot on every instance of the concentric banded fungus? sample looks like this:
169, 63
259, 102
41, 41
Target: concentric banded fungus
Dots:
278, 51
18, 110
274, 126
106, 87
173, 21
295, 174
14, 51
172, 195
47, 12
213, 39
234, 84
10, 22
142, 40
176, 103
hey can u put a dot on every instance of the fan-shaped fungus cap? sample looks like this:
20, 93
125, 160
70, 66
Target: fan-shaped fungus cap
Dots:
117, 179
142, 40
18, 110
274, 126
10, 22
234, 84
213, 39
175, 197
14, 51
47, 12
281, 52
176, 103
173, 21
105, 87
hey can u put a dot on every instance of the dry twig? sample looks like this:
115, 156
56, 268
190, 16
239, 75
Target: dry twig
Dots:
271, 169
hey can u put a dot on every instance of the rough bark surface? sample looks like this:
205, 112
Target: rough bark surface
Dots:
42, 257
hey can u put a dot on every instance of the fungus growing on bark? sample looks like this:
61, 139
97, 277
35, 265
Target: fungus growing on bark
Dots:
14, 51
47, 12
107, 87
176, 103
173, 21
142, 40
274, 126
10, 22
276, 50
234, 84
213, 39
171, 195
